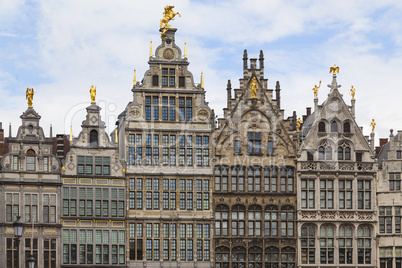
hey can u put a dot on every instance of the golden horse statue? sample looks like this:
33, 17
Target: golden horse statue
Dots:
168, 15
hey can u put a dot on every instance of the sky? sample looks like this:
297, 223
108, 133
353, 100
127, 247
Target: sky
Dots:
61, 48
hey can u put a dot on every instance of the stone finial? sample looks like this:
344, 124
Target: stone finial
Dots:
391, 134
261, 60
245, 58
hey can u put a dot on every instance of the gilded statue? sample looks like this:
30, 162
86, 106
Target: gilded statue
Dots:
298, 124
168, 15
92, 90
253, 88
29, 96
352, 92
315, 88
372, 124
334, 70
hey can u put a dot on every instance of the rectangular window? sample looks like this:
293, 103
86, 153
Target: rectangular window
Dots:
345, 194
307, 193
182, 81
364, 194
394, 181
155, 80
254, 142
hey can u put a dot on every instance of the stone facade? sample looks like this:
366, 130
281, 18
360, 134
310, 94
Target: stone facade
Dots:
254, 197
336, 183
93, 199
30, 188
165, 135
389, 203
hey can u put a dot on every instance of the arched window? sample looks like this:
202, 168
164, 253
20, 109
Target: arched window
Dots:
325, 151
287, 174
288, 257
238, 257
255, 257
334, 126
328, 153
31, 160
270, 179
237, 179
254, 220
221, 178
308, 244
271, 221
221, 220
254, 179
327, 247
363, 245
321, 127
222, 257
344, 152
340, 153
346, 127
347, 153
321, 154
238, 220
93, 138
345, 244
271, 257
287, 221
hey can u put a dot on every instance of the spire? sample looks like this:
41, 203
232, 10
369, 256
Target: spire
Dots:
245, 60
150, 50
229, 92
135, 79
261, 60
185, 50
202, 80
278, 94
71, 133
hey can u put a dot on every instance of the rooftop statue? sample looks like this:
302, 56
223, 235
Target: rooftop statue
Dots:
315, 88
253, 88
29, 96
92, 90
168, 15
334, 70
372, 124
352, 92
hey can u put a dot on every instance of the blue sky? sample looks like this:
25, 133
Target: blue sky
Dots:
61, 48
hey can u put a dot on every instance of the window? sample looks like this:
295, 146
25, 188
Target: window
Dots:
49, 253
270, 147
308, 244
364, 194
84, 164
255, 257
397, 218
334, 126
327, 247
49, 208
288, 257
344, 152
182, 81
345, 194
185, 108
398, 154
346, 127
102, 165
345, 244
238, 257
155, 80
307, 193
254, 142
386, 258
327, 194
30, 158
169, 108
364, 245
31, 247
31, 208
221, 178
202, 143
287, 175
254, 221
221, 220
394, 181
321, 127
237, 146
93, 138
237, 179
271, 221
287, 221
385, 219
168, 77
12, 206
222, 257
325, 152
11, 253
15, 162
270, 179
254, 179
136, 193
272, 257
136, 240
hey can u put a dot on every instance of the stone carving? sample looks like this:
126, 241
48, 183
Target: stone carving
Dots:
309, 165
134, 112
309, 215
346, 166
168, 54
328, 215
202, 114
346, 215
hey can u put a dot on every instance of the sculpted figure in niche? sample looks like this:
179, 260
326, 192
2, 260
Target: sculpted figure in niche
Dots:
253, 88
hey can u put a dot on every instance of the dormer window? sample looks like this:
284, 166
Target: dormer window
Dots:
346, 127
325, 152
321, 127
93, 138
344, 152
168, 77
334, 126
30, 160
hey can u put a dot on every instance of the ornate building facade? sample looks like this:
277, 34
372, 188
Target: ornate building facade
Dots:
254, 195
336, 186
165, 140
389, 203
93, 199
30, 189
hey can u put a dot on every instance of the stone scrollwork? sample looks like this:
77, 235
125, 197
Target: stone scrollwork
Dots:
168, 53
134, 112
202, 114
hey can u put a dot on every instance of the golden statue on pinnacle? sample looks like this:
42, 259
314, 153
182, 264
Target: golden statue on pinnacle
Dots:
315, 88
29, 96
92, 90
168, 15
